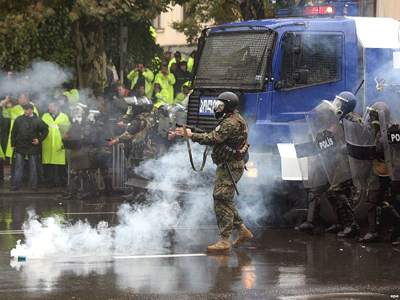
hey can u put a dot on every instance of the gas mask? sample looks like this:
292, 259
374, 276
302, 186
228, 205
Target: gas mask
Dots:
92, 115
77, 116
219, 109
337, 106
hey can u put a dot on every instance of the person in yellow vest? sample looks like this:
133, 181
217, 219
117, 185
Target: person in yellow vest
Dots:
142, 76
2, 158
167, 81
176, 59
73, 97
190, 63
185, 92
160, 96
53, 152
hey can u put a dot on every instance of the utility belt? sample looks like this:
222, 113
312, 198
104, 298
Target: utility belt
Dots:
226, 153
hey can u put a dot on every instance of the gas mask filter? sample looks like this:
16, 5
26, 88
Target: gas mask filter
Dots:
219, 109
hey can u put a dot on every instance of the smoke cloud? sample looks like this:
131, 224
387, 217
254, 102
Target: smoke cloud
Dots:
143, 227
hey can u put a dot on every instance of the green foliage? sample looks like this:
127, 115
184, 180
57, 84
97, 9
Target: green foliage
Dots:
207, 13
142, 47
33, 30
36, 33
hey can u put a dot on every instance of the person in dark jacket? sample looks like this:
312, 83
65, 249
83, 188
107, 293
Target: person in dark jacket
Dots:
182, 75
26, 137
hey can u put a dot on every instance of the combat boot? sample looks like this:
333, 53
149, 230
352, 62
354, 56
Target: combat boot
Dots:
244, 236
69, 196
221, 246
350, 231
335, 228
306, 226
370, 237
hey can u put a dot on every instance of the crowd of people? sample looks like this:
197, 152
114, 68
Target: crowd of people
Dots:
61, 130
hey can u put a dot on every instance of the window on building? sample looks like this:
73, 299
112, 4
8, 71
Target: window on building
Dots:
310, 59
158, 22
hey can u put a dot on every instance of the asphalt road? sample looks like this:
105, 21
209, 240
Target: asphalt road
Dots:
279, 263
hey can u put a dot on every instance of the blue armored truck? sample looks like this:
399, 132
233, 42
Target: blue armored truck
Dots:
283, 67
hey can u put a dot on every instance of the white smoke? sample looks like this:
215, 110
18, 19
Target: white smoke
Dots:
40, 78
183, 199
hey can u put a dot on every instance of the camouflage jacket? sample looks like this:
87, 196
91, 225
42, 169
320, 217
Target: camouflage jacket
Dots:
232, 131
138, 124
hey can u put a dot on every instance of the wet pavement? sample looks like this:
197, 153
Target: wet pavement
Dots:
279, 263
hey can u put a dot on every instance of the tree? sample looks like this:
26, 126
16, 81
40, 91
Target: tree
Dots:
205, 13
79, 34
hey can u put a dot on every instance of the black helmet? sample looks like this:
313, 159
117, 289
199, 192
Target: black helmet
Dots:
225, 103
231, 98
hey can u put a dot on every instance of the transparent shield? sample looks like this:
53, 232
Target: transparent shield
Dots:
360, 138
329, 137
312, 170
390, 139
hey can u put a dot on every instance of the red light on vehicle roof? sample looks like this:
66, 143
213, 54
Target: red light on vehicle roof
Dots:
312, 10
319, 10
324, 10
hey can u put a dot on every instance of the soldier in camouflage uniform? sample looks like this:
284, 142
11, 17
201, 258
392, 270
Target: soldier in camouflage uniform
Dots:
139, 133
229, 140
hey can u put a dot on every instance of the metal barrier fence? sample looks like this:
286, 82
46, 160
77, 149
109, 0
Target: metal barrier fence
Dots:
118, 169
119, 162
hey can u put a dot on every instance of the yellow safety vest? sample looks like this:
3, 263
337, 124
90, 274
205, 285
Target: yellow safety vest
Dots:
52, 151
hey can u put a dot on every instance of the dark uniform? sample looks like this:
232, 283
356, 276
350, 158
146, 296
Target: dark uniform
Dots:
78, 144
100, 155
382, 201
338, 195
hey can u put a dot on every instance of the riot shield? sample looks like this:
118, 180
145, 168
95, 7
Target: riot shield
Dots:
360, 138
328, 135
390, 138
312, 170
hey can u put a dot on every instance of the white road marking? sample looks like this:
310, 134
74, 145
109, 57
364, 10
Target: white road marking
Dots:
158, 256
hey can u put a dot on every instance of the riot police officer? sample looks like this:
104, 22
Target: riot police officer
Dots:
100, 153
386, 172
77, 142
229, 140
325, 122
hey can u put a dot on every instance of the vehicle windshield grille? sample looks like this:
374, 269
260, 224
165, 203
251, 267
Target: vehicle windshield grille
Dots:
235, 59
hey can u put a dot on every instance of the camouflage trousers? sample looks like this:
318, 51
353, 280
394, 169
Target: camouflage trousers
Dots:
227, 215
